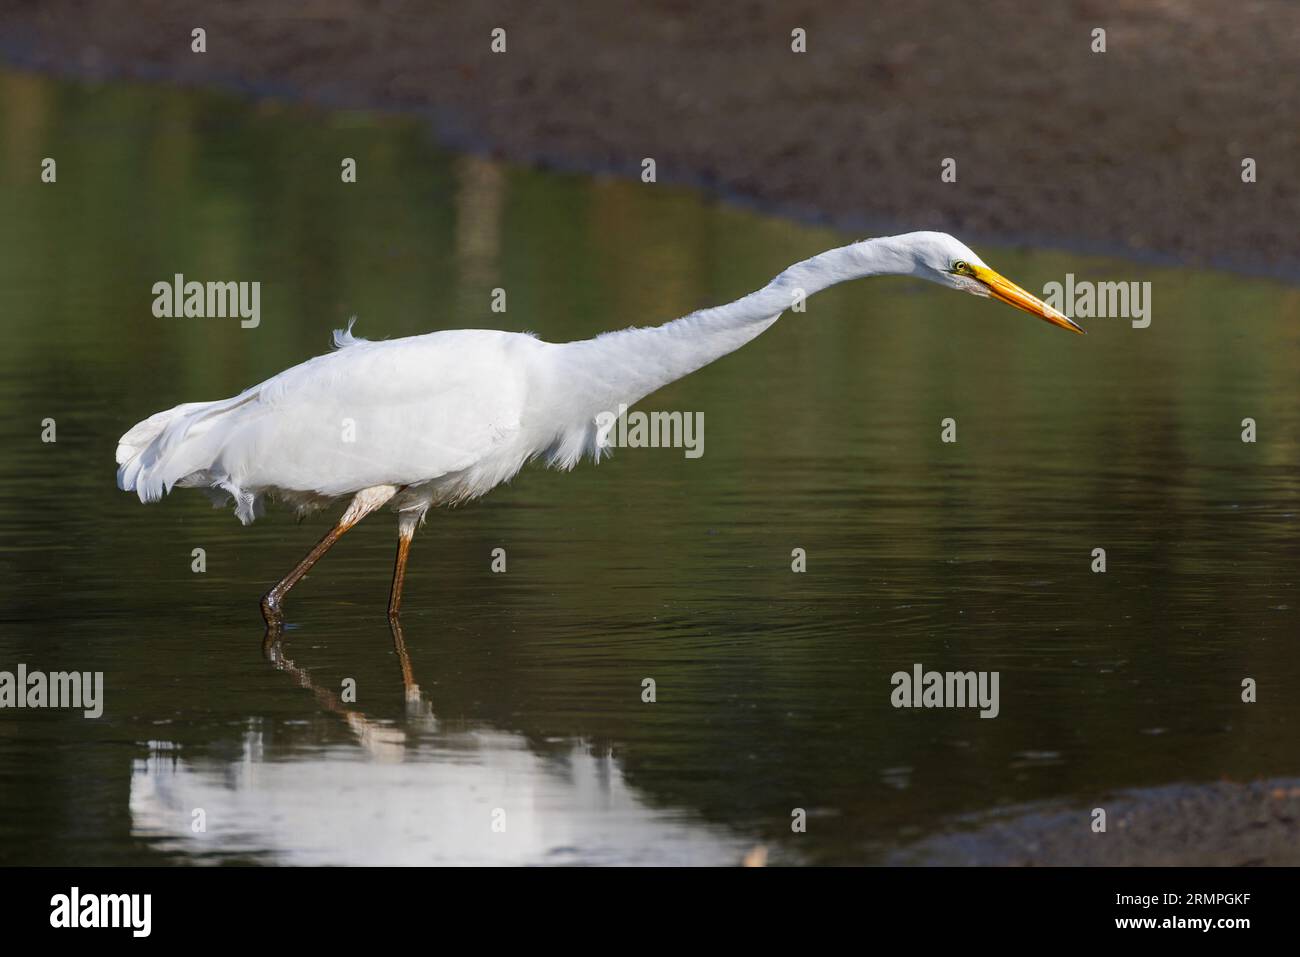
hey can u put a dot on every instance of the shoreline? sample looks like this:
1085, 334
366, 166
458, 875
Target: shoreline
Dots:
1213, 824
801, 136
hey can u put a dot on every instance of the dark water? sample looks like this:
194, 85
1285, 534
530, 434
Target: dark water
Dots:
773, 688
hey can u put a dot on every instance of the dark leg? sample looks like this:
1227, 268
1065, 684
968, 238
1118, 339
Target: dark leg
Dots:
273, 599
410, 690
405, 532
362, 505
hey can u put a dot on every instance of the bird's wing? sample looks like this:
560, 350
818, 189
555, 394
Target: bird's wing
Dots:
398, 412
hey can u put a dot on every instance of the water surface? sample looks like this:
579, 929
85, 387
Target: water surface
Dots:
524, 688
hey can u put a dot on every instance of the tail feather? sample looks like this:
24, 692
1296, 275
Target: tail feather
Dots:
180, 447
141, 434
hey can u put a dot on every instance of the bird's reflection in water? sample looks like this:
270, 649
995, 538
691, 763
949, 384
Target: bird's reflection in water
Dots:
412, 793
380, 740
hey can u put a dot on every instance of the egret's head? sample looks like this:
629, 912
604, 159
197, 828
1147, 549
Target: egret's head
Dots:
949, 262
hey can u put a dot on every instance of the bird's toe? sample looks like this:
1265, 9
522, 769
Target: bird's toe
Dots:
271, 609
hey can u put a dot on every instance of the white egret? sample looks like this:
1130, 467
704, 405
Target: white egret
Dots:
445, 417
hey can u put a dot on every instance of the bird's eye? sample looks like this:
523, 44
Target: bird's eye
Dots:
961, 266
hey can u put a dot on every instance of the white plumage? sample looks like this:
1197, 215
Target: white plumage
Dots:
442, 412
445, 417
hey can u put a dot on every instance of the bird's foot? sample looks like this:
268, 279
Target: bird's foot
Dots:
271, 610
274, 619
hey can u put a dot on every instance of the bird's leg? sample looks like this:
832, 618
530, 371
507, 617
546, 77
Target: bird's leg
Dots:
273, 599
410, 689
419, 712
405, 532
365, 502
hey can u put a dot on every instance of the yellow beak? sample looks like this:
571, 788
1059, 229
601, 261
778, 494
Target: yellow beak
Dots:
1005, 290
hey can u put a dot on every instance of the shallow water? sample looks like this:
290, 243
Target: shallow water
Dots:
524, 692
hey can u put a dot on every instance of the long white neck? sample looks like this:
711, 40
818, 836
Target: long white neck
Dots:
625, 366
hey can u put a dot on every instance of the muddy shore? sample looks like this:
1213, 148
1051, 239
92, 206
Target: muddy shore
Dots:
1225, 824
1135, 150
